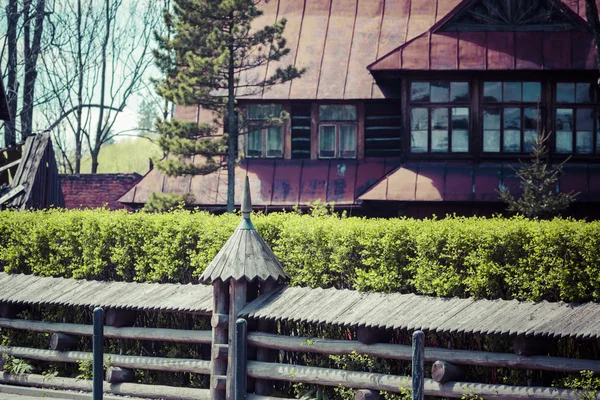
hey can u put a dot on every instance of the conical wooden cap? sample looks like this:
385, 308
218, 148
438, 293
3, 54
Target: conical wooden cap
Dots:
245, 255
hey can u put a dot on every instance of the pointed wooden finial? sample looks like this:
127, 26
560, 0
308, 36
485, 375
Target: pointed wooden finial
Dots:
247, 201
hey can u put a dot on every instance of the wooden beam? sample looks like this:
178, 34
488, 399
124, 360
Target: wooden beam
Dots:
12, 193
119, 375
123, 389
161, 334
396, 384
238, 291
9, 165
432, 354
366, 394
218, 366
61, 342
442, 371
134, 362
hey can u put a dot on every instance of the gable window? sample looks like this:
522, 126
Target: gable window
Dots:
439, 117
265, 136
511, 116
576, 119
337, 131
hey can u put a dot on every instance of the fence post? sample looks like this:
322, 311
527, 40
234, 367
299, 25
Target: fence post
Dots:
240, 375
98, 354
418, 365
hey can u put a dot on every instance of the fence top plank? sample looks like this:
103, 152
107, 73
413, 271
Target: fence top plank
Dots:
412, 312
32, 290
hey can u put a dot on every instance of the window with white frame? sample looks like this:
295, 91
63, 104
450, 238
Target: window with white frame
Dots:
337, 131
439, 117
265, 133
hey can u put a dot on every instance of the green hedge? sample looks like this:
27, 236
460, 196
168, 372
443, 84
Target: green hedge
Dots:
479, 257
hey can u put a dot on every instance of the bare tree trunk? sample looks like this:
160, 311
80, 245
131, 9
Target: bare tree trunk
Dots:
32, 47
231, 134
591, 13
79, 115
12, 85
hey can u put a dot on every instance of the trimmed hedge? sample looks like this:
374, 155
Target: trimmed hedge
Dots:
479, 257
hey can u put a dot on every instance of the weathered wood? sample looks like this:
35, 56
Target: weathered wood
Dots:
393, 383
442, 371
432, 354
120, 318
366, 394
418, 365
119, 375
123, 389
218, 366
169, 335
10, 310
241, 359
219, 320
265, 387
237, 301
218, 381
61, 341
372, 335
530, 346
220, 351
135, 362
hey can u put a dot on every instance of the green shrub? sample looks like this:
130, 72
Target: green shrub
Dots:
479, 257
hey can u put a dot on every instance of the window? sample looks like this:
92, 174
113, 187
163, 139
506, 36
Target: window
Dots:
439, 117
265, 136
576, 119
337, 131
511, 116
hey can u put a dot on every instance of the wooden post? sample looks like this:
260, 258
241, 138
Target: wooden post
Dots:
98, 360
218, 364
61, 341
442, 371
240, 360
237, 301
119, 375
418, 365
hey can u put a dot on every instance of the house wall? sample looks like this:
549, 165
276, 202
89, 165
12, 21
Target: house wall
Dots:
96, 190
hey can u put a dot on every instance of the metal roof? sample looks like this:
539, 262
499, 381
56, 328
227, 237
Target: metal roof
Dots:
30, 289
464, 181
410, 311
245, 255
274, 183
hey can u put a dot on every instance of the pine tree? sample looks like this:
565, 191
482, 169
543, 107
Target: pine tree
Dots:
209, 44
539, 181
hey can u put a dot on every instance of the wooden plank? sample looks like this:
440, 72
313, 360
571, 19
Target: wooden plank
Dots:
472, 50
237, 301
500, 50
397, 384
334, 69
218, 366
310, 49
11, 194
529, 50
444, 51
293, 11
9, 165
359, 81
123, 389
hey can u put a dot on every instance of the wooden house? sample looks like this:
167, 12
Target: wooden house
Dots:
414, 108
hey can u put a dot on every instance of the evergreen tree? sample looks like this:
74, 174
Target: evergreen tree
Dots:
539, 181
209, 44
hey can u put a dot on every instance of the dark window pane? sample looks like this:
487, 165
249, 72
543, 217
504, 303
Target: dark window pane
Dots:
598, 141
348, 141
254, 143
512, 92
565, 92
418, 141
337, 113
440, 92
492, 92
584, 142
530, 118
274, 141
460, 119
530, 139
583, 93
419, 120
564, 119
439, 118
420, 92
460, 130
585, 119
532, 92
512, 141
491, 118
491, 141
512, 118
459, 92
327, 141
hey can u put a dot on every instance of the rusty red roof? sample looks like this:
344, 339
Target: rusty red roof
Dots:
464, 181
273, 183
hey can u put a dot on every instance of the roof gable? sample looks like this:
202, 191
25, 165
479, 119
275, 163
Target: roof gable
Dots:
511, 16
